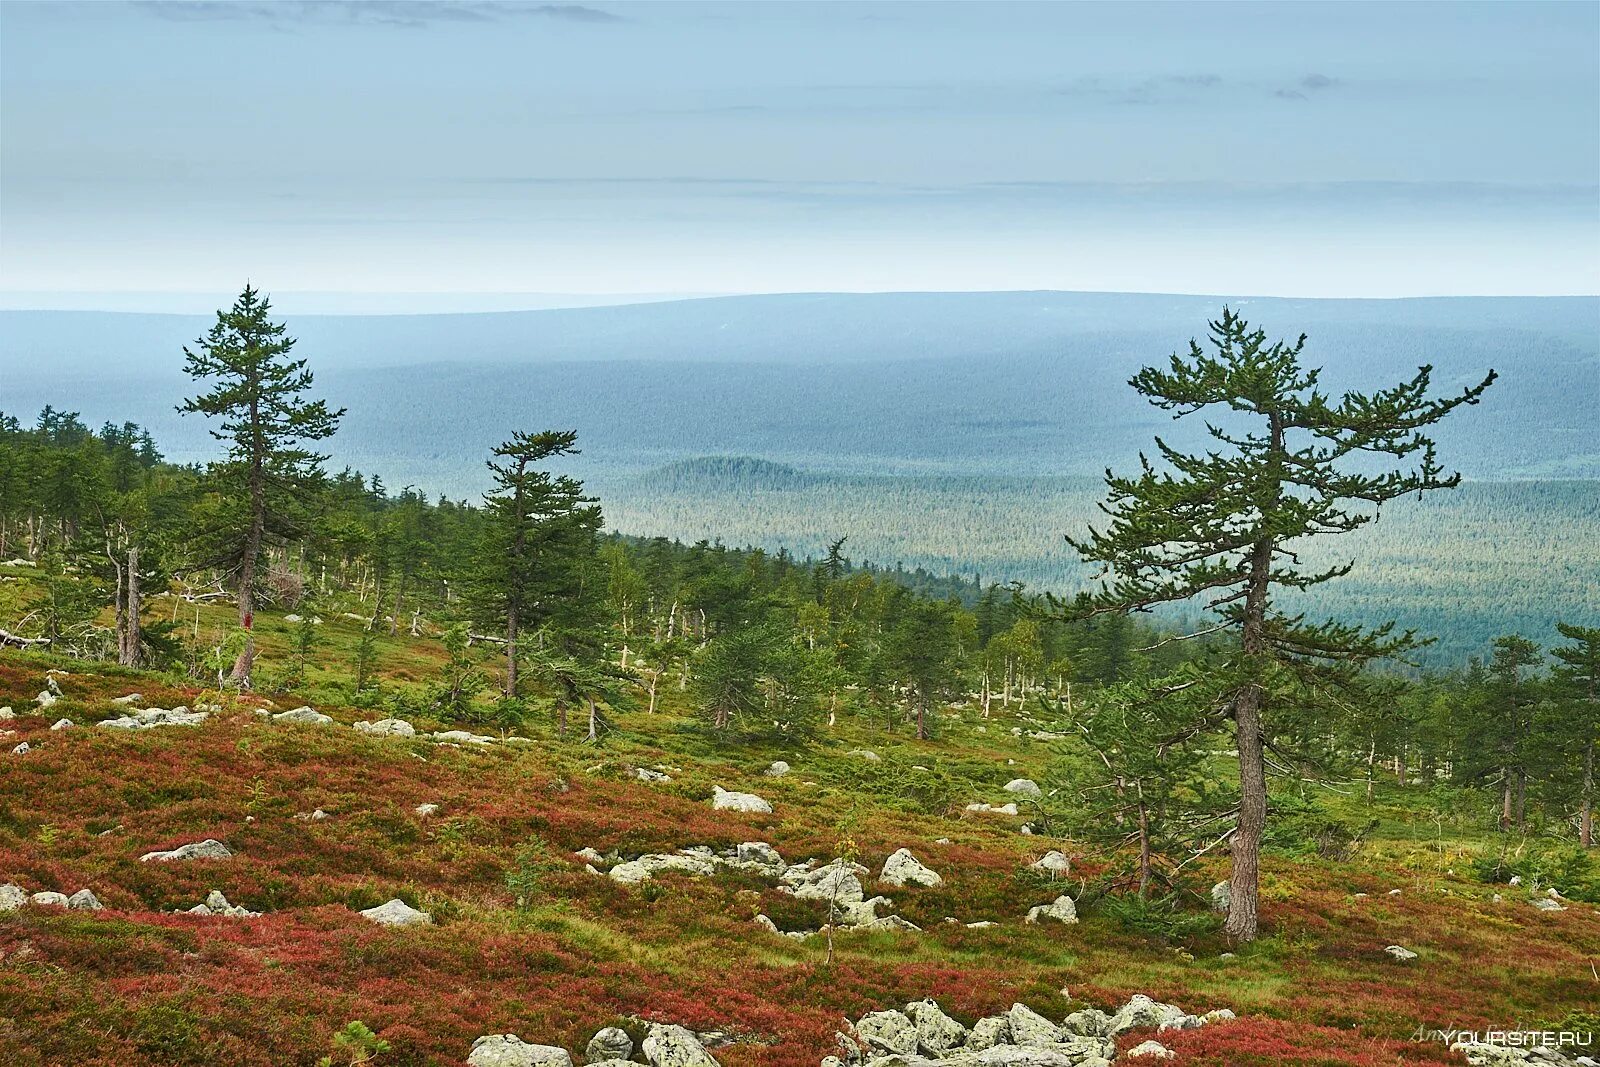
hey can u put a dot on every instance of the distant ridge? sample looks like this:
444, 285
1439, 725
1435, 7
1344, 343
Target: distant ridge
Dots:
725, 473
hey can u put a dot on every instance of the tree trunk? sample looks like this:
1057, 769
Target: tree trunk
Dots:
129, 645
1250, 739
252, 548
511, 656
1144, 848
594, 721
1505, 802
1586, 808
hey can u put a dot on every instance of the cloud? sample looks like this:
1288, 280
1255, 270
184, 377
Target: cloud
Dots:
1302, 90
405, 13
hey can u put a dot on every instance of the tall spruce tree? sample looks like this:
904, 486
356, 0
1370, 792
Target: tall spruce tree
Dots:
259, 393
534, 570
1222, 527
1577, 680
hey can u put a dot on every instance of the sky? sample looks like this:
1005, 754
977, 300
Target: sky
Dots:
400, 147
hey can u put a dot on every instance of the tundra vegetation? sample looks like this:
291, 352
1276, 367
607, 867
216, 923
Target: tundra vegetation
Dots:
308, 744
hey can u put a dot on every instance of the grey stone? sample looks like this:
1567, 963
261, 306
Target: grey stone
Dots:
386, 728
1028, 1027
1152, 1050
1221, 897
609, 1043
902, 868
776, 769
666, 1045
55, 900
85, 900
209, 849
1142, 1013
1053, 862
12, 897
509, 1050
988, 1032
887, 1031
937, 1033
1024, 787
723, 800
1062, 910
1400, 953
304, 715
397, 913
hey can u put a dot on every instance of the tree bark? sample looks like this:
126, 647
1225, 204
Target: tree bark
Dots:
1586, 808
252, 548
131, 637
511, 650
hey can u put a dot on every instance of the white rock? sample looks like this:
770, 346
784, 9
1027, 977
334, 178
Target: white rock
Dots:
1062, 909
131, 698
777, 769
645, 774
758, 854
765, 922
46, 698
397, 913
902, 869
386, 728
6, 714
84, 900
887, 1032
1400, 953
1024, 787
865, 753
1053, 862
723, 800
609, 1043
62, 724
54, 900
209, 849
988, 1033
425, 810
1546, 904
1142, 1013
21, 750
937, 1033
1028, 1027
666, 1045
463, 737
153, 717
1150, 1050
12, 897
1221, 897
291, 618
1003, 809
509, 1050
304, 715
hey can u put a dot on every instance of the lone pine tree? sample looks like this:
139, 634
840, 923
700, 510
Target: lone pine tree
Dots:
1222, 527
259, 393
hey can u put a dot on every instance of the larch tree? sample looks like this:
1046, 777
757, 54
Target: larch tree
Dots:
1223, 527
258, 390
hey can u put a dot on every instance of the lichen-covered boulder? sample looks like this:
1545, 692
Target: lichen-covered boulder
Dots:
1053, 863
902, 869
84, 900
54, 900
304, 715
724, 800
988, 1032
1061, 910
509, 1050
1150, 1050
1141, 1013
1024, 787
209, 849
397, 912
1221, 897
12, 897
609, 1043
386, 728
1028, 1027
937, 1033
889, 1032
666, 1045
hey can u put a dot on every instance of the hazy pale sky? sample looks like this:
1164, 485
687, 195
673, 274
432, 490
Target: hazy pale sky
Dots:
1296, 148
